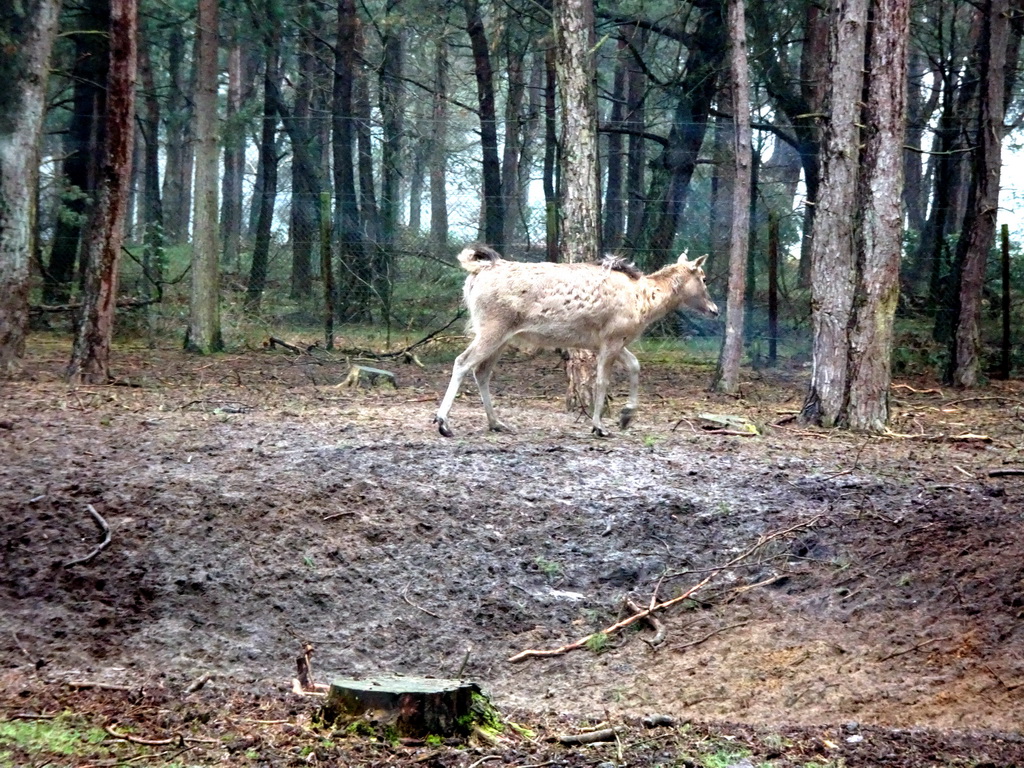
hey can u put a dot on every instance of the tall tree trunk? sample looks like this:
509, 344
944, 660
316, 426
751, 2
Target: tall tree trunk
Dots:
153, 215
880, 208
983, 199
22, 103
636, 122
580, 215
178, 166
674, 168
550, 158
234, 161
82, 145
268, 160
727, 375
833, 254
304, 224
90, 356
204, 332
493, 229
392, 102
347, 225
369, 213
614, 212
439, 151
514, 121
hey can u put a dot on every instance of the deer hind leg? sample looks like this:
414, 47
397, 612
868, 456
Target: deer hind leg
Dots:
482, 374
632, 365
605, 359
479, 350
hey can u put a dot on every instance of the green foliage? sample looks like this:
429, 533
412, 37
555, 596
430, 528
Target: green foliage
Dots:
64, 735
549, 568
598, 642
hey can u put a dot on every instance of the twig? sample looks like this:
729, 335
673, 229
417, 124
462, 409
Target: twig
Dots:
104, 528
708, 636
483, 760
1005, 472
629, 620
336, 515
198, 683
1006, 685
405, 597
176, 739
913, 648
100, 686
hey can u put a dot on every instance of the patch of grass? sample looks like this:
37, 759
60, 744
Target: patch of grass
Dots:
723, 758
597, 642
549, 568
63, 735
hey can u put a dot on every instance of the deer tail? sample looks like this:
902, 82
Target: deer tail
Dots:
476, 257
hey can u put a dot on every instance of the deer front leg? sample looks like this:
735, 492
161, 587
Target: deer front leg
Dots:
482, 374
632, 365
479, 350
605, 358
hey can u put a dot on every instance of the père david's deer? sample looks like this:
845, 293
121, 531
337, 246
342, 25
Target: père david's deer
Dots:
600, 307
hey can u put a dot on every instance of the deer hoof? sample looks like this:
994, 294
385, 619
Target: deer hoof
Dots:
626, 417
599, 432
499, 427
442, 427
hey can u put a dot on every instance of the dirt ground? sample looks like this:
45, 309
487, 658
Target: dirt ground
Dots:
255, 505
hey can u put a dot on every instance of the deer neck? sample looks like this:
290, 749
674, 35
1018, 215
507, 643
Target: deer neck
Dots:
662, 293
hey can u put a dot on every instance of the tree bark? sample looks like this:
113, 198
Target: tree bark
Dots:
880, 206
82, 147
439, 151
351, 262
177, 182
614, 206
392, 101
22, 103
493, 229
90, 356
268, 161
204, 332
727, 375
153, 215
833, 254
674, 168
234, 162
580, 215
983, 199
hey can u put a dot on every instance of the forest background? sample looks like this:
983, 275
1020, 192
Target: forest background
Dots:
225, 171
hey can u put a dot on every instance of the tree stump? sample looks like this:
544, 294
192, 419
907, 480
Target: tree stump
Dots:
405, 707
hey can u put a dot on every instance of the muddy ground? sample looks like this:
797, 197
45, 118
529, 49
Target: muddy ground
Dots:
255, 505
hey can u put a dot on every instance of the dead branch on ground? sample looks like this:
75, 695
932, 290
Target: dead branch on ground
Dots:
1005, 472
589, 737
656, 625
104, 529
686, 595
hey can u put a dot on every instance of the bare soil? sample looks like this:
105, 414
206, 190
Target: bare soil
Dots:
255, 505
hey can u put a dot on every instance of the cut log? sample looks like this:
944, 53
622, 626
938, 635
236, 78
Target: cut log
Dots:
364, 376
406, 707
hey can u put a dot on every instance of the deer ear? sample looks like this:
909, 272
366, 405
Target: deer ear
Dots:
696, 263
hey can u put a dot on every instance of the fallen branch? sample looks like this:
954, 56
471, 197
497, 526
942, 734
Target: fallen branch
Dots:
1005, 472
276, 342
656, 625
590, 737
639, 615
104, 529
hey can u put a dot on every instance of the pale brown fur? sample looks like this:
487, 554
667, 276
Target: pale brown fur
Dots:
583, 306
